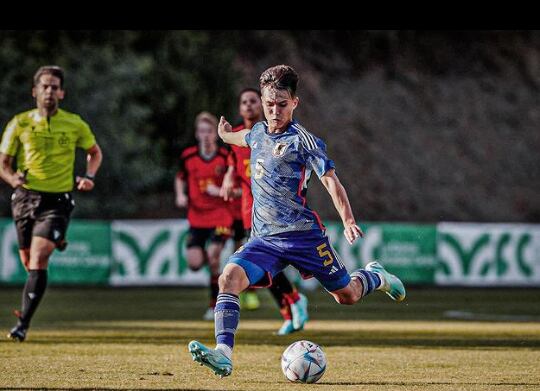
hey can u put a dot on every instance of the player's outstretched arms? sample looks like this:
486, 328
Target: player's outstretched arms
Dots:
230, 137
339, 196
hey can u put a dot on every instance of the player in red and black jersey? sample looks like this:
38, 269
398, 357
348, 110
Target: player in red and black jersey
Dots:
293, 305
197, 187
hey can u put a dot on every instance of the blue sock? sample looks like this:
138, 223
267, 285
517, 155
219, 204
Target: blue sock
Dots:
370, 281
226, 316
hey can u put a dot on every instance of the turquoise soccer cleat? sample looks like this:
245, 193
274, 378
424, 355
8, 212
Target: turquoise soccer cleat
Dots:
213, 359
300, 313
390, 283
286, 328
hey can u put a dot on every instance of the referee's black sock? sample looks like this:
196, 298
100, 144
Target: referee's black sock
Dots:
32, 293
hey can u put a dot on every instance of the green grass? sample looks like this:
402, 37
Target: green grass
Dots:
92, 338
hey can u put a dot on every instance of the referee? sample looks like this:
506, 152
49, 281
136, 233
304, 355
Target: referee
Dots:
42, 141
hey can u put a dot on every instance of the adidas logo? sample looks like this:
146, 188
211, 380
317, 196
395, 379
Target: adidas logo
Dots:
333, 270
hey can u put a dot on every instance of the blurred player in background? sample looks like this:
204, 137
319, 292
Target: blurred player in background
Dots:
231, 191
285, 230
43, 143
197, 188
292, 304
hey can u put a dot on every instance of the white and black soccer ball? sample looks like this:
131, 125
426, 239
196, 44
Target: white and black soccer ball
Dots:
303, 362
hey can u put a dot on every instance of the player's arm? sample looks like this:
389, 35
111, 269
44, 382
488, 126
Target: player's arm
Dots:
341, 202
94, 156
181, 199
14, 179
230, 137
227, 187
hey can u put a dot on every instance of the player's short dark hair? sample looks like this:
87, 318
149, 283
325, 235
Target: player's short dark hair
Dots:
281, 77
248, 89
54, 70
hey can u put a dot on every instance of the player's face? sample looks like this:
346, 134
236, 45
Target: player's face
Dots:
250, 105
48, 92
278, 106
205, 133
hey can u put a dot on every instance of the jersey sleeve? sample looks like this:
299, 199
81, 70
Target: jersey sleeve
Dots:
86, 137
253, 134
316, 157
10, 139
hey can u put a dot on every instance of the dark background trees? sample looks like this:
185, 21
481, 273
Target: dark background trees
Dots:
423, 125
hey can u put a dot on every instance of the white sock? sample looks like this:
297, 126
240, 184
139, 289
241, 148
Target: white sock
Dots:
383, 282
225, 349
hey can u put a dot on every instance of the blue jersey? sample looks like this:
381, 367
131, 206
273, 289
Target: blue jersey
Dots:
281, 166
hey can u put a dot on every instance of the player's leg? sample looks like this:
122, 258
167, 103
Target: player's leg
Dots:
18, 332
23, 205
40, 251
313, 254
217, 241
254, 263
364, 281
292, 304
195, 247
196, 257
248, 298
232, 281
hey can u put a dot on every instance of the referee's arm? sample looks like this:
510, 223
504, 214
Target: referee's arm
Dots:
14, 179
94, 157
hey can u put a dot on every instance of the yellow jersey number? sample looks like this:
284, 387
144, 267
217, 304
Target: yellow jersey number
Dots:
248, 168
325, 253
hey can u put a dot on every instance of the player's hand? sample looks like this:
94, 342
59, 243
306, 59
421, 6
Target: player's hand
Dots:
17, 179
84, 183
181, 201
352, 232
227, 188
224, 127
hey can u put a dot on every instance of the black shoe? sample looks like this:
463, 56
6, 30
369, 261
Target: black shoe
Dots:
61, 246
17, 333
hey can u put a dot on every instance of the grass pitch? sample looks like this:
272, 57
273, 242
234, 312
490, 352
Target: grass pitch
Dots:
438, 339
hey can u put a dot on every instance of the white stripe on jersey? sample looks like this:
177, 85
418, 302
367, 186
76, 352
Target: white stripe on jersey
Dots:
306, 179
308, 138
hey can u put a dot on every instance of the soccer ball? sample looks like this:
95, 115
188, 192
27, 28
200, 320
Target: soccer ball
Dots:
304, 362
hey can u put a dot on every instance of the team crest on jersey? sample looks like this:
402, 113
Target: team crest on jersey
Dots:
280, 149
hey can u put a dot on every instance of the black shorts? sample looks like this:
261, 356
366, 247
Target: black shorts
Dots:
239, 232
41, 214
199, 236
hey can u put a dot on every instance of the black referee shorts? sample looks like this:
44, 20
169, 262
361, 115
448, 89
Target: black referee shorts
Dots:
41, 214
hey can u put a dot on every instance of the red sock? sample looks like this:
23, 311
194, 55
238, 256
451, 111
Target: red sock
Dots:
292, 297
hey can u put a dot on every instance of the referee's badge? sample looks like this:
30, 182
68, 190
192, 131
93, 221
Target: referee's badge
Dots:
280, 149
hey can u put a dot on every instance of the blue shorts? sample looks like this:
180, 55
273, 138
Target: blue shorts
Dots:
308, 251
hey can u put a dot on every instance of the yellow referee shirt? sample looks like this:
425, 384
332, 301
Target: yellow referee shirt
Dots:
45, 148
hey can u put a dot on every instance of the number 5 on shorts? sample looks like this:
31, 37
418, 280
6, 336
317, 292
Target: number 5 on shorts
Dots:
325, 253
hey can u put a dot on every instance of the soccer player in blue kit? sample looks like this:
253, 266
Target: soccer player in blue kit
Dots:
285, 231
